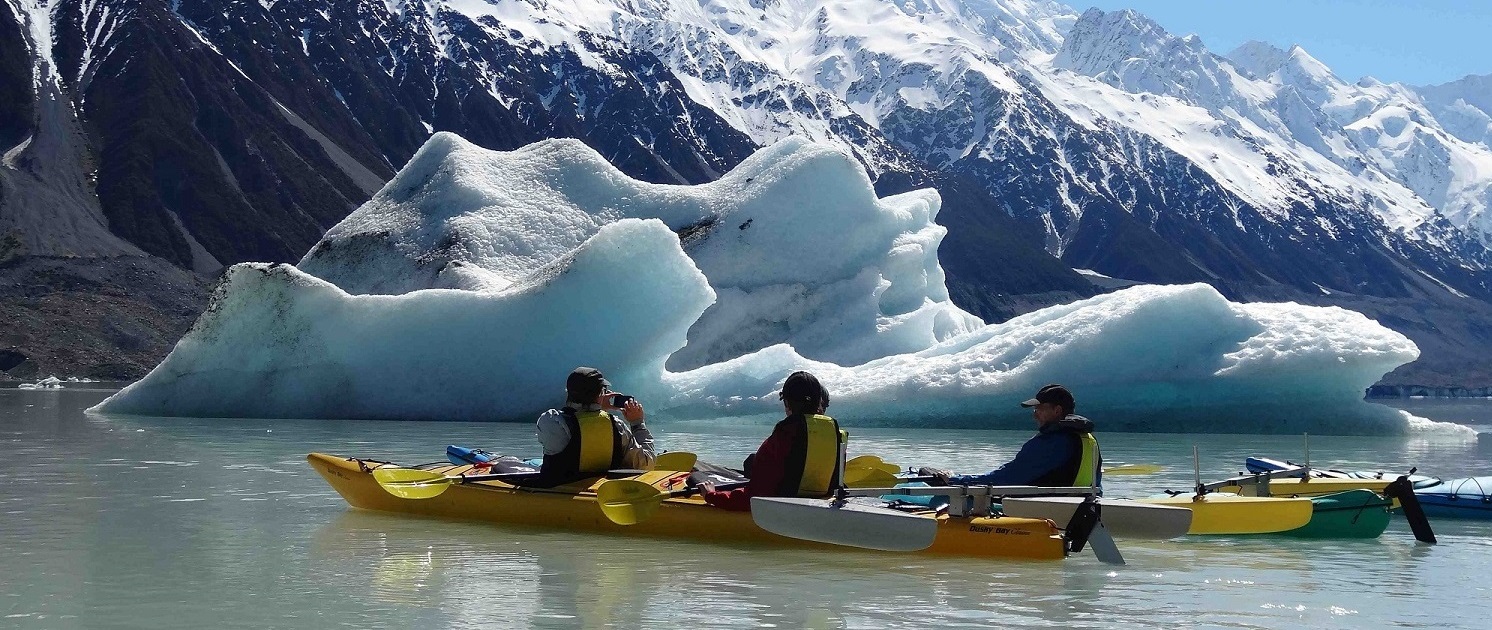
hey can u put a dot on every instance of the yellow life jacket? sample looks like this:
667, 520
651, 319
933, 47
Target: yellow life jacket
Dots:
821, 459
597, 441
1091, 460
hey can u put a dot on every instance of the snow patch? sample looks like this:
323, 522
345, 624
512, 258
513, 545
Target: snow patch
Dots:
366, 180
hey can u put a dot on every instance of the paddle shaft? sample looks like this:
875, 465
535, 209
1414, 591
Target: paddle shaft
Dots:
691, 490
619, 473
491, 477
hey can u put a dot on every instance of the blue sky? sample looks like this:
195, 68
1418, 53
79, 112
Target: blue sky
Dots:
1417, 42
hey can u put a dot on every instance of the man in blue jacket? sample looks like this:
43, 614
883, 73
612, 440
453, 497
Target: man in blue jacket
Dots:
1062, 453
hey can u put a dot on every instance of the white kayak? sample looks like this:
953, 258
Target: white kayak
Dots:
1122, 517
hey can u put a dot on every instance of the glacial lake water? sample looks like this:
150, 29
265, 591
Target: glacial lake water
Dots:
184, 523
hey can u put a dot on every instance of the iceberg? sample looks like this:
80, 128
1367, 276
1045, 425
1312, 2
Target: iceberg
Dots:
1147, 358
475, 280
50, 382
794, 242
277, 342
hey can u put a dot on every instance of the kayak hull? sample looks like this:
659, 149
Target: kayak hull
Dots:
573, 507
1468, 497
1217, 513
1350, 514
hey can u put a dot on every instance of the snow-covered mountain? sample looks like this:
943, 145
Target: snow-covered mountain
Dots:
1463, 107
219, 131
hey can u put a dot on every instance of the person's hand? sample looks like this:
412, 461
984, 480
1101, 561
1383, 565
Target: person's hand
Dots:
706, 487
938, 474
633, 412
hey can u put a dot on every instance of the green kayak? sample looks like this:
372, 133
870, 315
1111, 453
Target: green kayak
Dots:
1349, 514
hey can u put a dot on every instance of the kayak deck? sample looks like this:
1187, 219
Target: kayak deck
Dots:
1309, 486
1217, 513
573, 507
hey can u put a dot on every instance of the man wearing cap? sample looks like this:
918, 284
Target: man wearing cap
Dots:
1062, 453
799, 459
582, 439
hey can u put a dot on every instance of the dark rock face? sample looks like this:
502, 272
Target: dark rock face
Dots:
102, 318
10, 359
16, 94
180, 132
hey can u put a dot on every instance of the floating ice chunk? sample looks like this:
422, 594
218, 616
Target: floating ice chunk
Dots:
794, 242
50, 382
1147, 358
277, 342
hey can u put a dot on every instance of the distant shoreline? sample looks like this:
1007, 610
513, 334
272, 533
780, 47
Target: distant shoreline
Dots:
1426, 391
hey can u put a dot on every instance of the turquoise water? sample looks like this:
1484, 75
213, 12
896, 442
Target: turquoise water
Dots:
175, 523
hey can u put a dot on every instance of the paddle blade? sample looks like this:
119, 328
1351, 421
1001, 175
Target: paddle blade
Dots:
628, 501
678, 461
871, 462
1084, 518
1402, 490
869, 478
851, 525
408, 483
1133, 469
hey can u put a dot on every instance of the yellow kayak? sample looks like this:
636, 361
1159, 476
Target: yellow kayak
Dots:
1308, 487
574, 507
1217, 513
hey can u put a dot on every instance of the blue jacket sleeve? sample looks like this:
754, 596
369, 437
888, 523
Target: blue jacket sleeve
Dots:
1037, 457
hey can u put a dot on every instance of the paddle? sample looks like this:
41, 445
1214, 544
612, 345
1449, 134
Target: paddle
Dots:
876, 478
1403, 490
871, 462
678, 461
629, 501
1134, 469
424, 484
410, 483
840, 523
868, 478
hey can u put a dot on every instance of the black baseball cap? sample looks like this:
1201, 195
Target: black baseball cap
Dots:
585, 384
1053, 394
804, 387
